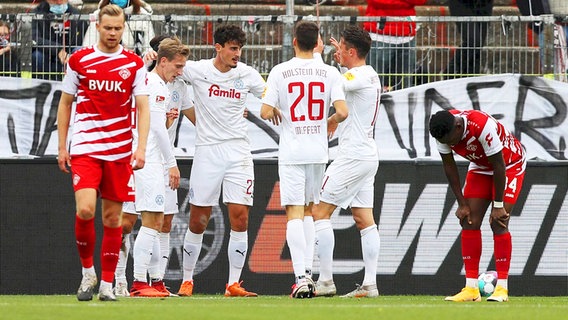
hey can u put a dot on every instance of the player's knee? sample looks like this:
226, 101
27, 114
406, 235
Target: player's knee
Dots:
86, 212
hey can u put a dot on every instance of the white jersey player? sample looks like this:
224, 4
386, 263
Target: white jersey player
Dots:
349, 179
222, 153
299, 93
150, 182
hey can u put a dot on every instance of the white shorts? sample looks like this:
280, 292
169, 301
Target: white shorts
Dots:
228, 164
129, 207
150, 188
300, 184
349, 182
171, 206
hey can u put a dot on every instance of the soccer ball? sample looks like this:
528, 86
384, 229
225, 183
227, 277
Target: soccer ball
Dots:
487, 282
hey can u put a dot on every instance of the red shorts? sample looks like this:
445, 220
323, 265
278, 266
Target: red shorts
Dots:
112, 180
481, 186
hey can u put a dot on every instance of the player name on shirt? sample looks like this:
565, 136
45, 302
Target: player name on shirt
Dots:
316, 129
304, 72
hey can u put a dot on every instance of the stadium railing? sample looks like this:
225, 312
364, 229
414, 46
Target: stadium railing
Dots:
512, 45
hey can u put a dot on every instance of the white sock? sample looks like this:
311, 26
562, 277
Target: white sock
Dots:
237, 252
143, 247
297, 245
326, 244
164, 252
503, 283
370, 245
191, 249
90, 270
310, 236
105, 285
471, 282
154, 270
120, 273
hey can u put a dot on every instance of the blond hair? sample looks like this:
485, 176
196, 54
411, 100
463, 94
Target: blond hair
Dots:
111, 10
171, 47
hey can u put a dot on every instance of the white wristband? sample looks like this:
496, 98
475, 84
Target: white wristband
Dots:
497, 204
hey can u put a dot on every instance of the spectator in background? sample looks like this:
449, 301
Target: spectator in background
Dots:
55, 36
8, 57
393, 53
137, 34
467, 59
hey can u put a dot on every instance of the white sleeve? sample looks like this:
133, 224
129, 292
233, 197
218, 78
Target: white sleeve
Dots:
489, 138
140, 83
158, 127
70, 82
443, 148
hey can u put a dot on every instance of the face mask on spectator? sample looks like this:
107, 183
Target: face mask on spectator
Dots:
58, 8
121, 3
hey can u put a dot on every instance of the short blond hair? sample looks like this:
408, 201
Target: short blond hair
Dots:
111, 10
171, 47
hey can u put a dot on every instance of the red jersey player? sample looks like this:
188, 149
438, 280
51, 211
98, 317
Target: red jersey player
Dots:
105, 79
495, 176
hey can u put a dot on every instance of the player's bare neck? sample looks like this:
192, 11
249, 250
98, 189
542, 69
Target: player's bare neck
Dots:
105, 49
222, 67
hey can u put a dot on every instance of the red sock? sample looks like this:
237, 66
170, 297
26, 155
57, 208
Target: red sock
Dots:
110, 247
503, 247
85, 239
471, 252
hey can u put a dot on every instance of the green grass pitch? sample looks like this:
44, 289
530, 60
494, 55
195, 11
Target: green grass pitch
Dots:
279, 307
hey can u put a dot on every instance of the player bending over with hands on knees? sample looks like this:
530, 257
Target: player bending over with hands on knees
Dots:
494, 178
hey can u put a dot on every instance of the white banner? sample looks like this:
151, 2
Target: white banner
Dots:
534, 109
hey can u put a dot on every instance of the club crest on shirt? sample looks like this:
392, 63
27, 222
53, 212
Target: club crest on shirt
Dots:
175, 96
471, 147
124, 74
239, 84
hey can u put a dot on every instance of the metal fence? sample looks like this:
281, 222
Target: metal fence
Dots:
506, 44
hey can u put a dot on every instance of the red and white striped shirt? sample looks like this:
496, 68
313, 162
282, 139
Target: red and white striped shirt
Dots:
105, 85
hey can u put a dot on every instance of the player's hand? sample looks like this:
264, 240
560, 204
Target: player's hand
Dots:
320, 46
331, 126
150, 56
174, 178
63, 56
173, 113
276, 117
500, 215
335, 45
463, 213
64, 160
138, 159
246, 113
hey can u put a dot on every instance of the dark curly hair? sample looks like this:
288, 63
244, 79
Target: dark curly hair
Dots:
357, 38
230, 33
441, 124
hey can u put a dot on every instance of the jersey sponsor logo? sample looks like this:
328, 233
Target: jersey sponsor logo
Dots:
214, 90
124, 73
106, 85
91, 71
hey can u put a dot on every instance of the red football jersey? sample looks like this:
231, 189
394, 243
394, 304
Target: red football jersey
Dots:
105, 85
484, 136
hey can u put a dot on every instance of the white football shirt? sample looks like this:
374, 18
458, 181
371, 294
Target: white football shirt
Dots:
219, 99
181, 100
158, 148
303, 90
362, 94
